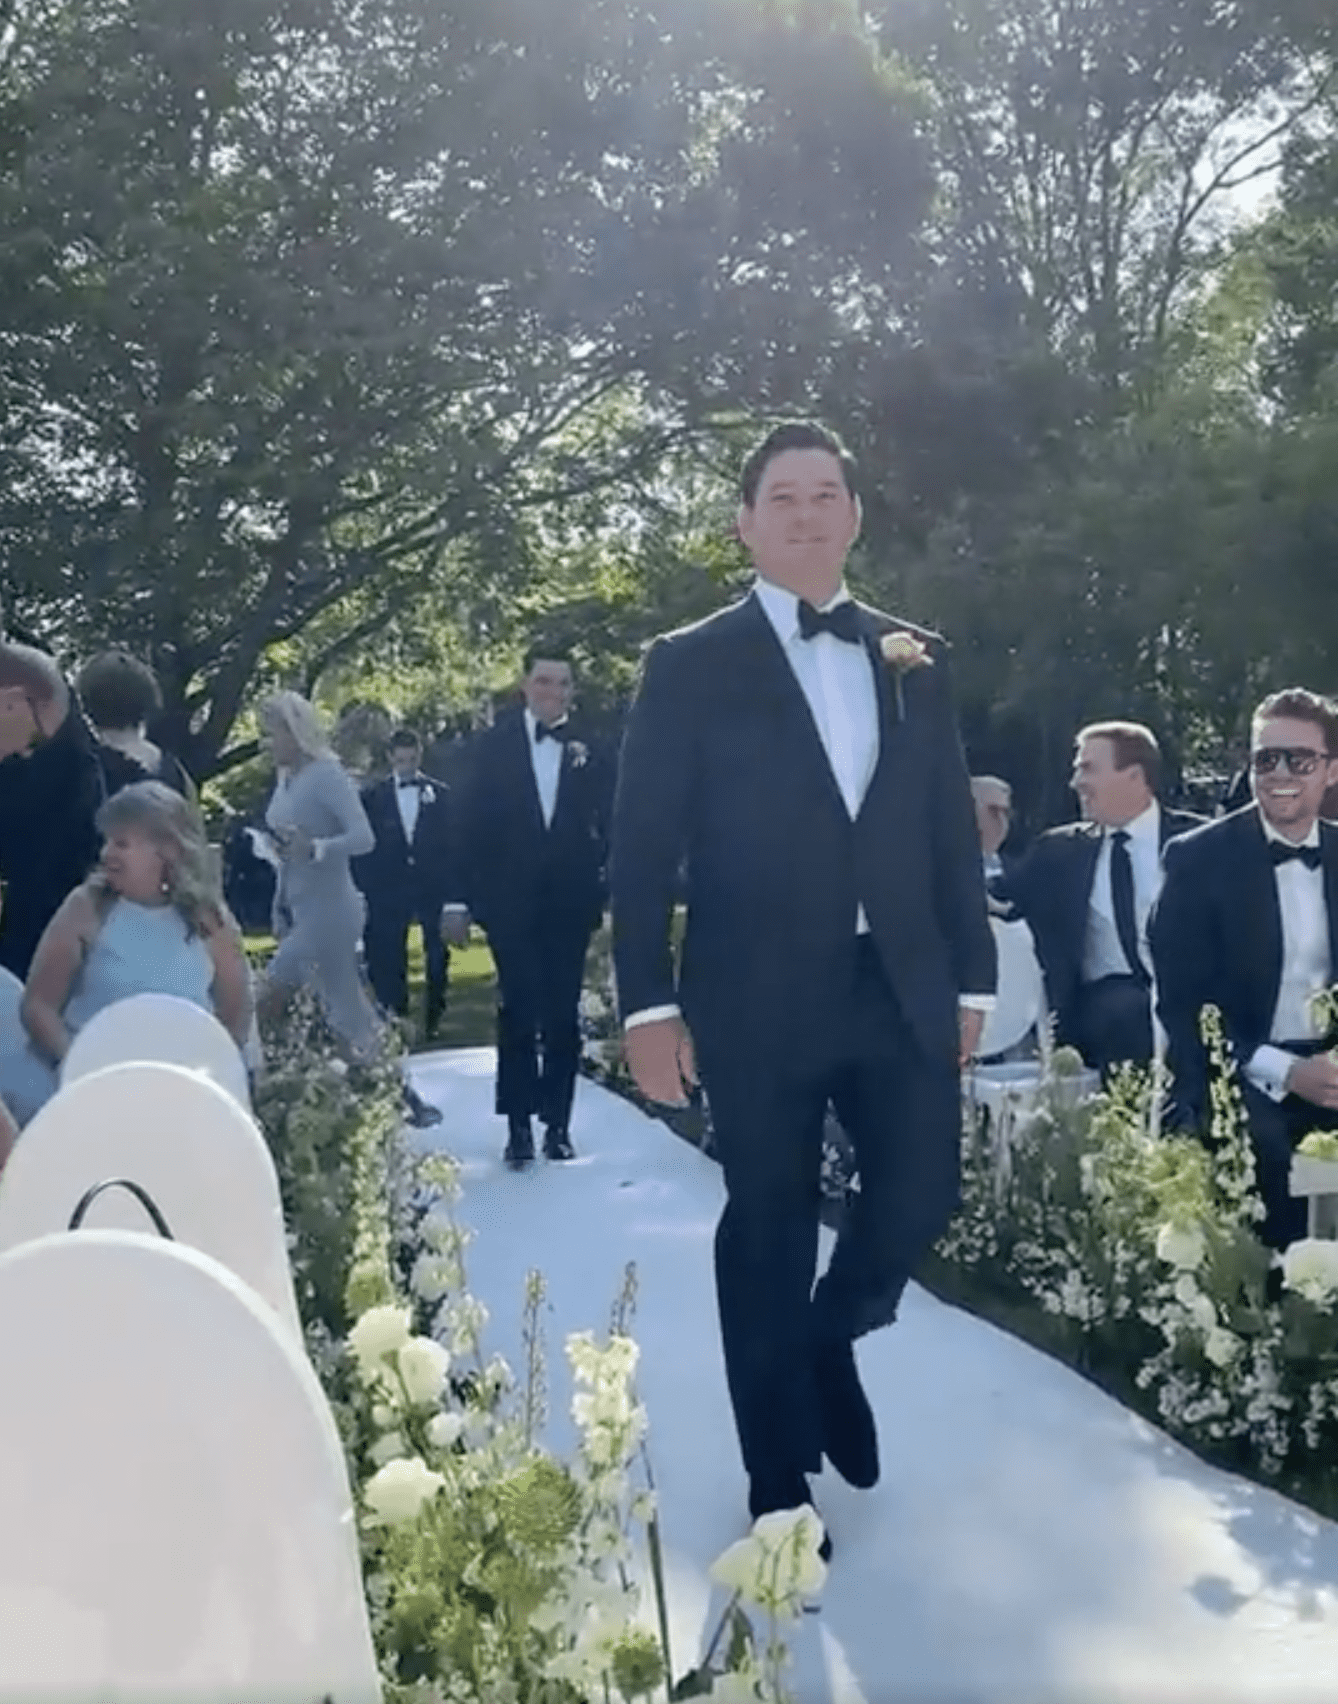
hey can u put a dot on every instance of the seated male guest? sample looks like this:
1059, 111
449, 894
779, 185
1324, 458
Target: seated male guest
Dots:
406, 878
1086, 890
993, 800
1248, 921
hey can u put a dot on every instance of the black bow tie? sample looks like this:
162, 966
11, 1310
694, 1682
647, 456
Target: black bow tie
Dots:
543, 732
408, 781
1280, 853
842, 622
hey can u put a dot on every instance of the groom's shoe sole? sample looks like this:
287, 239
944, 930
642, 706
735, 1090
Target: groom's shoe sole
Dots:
849, 1436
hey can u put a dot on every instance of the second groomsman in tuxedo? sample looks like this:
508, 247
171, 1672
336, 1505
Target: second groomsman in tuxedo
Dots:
407, 877
800, 751
1248, 921
1087, 889
535, 836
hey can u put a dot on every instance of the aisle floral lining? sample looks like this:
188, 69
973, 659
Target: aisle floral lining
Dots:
495, 1572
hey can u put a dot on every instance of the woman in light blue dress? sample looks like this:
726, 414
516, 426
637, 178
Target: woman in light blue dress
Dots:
149, 920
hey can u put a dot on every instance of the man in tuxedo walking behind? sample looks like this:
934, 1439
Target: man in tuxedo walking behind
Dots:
801, 752
407, 877
535, 836
1247, 921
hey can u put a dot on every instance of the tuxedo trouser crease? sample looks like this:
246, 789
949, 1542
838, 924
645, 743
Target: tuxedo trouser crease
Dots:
902, 1112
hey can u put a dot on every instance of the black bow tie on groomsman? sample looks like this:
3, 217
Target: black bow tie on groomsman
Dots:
842, 621
542, 732
1280, 853
409, 781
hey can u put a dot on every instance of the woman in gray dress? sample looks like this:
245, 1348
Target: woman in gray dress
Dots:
315, 823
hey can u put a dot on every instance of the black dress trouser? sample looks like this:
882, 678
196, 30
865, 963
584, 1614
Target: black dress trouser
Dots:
540, 970
902, 1112
385, 941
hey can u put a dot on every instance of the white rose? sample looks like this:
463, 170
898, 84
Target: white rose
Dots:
736, 1569
1181, 1246
397, 1493
445, 1429
1221, 1346
1310, 1267
378, 1333
387, 1448
423, 1367
431, 1277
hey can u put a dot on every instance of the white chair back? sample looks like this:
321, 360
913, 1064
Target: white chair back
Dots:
1020, 999
175, 1518
161, 1027
199, 1155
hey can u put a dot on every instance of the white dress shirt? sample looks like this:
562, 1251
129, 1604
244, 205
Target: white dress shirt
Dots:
1102, 953
546, 761
408, 799
1305, 965
837, 681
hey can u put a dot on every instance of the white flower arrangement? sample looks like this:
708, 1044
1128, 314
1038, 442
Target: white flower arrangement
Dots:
1310, 1267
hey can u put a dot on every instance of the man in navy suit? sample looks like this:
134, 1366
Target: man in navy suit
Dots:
1248, 921
1087, 889
535, 839
407, 877
800, 752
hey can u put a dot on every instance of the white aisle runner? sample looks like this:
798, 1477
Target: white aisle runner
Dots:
1030, 1542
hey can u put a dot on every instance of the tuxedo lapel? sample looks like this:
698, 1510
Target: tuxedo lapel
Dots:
1259, 914
770, 682
524, 780
392, 813
1328, 840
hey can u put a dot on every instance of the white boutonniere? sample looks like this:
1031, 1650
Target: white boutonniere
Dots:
427, 796
578, 754
903, 652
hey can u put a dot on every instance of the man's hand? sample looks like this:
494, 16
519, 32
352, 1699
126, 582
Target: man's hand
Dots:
970, 1023
1315, 1080
660, 1057
455, 926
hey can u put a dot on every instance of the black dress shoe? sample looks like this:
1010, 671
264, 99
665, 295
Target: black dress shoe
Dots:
519, 1150
557, 1144
849, 1436
769, 1497
421, 1114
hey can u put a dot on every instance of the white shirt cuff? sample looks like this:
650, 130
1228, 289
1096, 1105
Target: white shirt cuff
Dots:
649, 1015
454, 905
976, 1002
1267, 1069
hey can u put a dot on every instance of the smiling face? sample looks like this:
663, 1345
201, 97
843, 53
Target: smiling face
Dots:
1291, 803
801, 524
1108, 795
135, 865
548, 690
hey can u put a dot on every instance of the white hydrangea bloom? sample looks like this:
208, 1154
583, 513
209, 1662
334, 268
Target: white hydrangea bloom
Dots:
378, 1333
401, 1488
1310, 1267
1181, 1246
423, 1366
445, 1429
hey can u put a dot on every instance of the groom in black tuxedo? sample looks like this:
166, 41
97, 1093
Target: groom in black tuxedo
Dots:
1248, 921
800, 751
535, 837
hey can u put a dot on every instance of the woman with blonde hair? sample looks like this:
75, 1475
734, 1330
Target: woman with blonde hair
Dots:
315, 823
149, 920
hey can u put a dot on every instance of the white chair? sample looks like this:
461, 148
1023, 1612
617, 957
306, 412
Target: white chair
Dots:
161, 1027
175, 1519
199, 1155
1317, 1181
1007, 1090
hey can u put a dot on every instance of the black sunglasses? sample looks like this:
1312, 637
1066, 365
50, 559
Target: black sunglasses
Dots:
1300, 760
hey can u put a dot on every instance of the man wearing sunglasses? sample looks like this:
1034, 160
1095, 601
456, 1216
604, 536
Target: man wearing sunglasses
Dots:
1248, 921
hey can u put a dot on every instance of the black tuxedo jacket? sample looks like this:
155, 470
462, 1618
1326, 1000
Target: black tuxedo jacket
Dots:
1051, 888
1217, 938
723, 765
513, 864
404, 877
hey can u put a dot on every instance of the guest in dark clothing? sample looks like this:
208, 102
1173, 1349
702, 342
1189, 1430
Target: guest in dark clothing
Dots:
534, 834
1247, 921
50, 791
407, 878
120, 695
1086, 890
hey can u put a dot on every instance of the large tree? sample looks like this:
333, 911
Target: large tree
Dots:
306, 307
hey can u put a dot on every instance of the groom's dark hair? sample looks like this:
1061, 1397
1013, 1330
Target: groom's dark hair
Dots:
794, 435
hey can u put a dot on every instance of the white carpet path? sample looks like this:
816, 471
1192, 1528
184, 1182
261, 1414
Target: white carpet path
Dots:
1031, 1542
